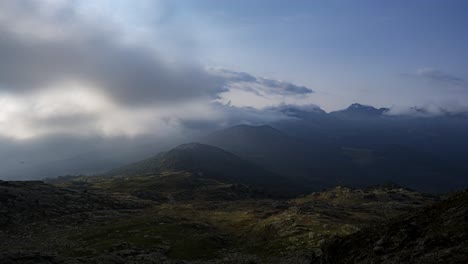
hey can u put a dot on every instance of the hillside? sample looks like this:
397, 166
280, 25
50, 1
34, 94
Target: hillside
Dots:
204, 161
436, 234
359, 146
280, 153
25, 201
104, 220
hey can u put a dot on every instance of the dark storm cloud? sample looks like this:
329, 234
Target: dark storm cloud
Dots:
38, 49
72, 49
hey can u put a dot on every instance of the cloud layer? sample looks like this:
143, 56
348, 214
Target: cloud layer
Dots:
245, 90
65, 73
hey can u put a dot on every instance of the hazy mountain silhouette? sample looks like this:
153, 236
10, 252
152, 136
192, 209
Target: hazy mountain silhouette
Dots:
210, 162
360, 145
279, 152
359, 111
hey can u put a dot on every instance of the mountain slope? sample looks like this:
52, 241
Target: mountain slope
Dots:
359, 111
355, 156
206, 161
92, 220
365, 145
278, 152
436, 234
25, 201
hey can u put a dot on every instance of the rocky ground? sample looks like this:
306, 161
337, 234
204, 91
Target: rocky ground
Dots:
434, 234
124, 221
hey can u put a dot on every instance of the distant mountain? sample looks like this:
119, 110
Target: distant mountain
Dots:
321, 150
246, 134
278, 152
436, 234
205, 161
357, 146
423, 152
359, 111
256, 143
300, 112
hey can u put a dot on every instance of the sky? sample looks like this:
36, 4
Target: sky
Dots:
100, 70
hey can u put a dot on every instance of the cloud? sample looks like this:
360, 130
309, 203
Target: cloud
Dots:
62, 73
230, 115
245, 90
81, 91
40, 49
81, 110
67, 153
430, 109
66, 72
260, 85
440, 77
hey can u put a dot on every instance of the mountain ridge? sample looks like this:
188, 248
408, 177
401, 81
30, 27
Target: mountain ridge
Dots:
205, 161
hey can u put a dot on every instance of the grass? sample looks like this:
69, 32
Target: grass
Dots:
201, 228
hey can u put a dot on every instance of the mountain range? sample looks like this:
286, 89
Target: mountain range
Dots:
358, 146
353, 186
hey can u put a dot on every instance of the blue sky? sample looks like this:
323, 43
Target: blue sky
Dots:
274, 37
406, 33
355, 50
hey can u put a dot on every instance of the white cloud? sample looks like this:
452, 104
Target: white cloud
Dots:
245, 90
77, 109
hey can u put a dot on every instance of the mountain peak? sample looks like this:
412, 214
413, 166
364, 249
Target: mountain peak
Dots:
357, 110
192, 145
300, 111
208, 162
355, 105
251, 130
361, 107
